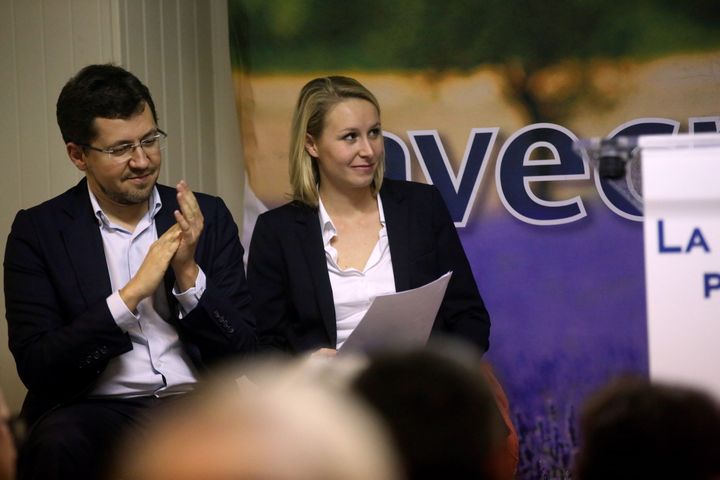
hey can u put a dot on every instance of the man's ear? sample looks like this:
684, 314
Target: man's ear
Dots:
77, 155
311, 146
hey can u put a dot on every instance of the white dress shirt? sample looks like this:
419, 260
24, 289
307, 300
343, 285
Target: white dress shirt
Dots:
157, 364
354, 290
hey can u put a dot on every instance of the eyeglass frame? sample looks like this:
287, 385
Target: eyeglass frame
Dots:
158, 136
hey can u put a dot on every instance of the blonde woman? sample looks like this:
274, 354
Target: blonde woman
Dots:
348, 235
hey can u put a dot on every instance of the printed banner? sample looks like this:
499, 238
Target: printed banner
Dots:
485, 100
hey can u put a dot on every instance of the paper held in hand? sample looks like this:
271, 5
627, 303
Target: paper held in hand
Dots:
402, 319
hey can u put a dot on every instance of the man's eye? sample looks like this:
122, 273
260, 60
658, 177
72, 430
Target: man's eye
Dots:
149, 142
120, 150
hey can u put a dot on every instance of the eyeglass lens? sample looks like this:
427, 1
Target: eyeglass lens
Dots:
150, 146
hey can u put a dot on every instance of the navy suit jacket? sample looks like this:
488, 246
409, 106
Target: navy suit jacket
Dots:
291, 293
60, 329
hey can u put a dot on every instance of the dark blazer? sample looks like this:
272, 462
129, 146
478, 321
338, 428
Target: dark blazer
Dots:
289, 282
60, 329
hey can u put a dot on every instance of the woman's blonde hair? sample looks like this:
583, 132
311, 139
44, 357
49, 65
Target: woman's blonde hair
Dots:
316, 99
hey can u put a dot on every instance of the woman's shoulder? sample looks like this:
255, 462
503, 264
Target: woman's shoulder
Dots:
289, 211
406, 187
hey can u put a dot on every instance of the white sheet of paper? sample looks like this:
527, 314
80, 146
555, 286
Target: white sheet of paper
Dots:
402, 319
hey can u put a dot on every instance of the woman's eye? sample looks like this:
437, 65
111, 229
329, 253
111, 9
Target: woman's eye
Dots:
375, 132
350, 136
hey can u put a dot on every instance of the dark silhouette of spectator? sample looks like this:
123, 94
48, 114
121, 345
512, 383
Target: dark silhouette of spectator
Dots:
635, 429
440, 410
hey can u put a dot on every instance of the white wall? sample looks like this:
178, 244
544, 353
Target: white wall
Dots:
179, 48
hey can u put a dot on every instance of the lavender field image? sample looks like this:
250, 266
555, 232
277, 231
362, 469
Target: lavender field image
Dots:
568, 310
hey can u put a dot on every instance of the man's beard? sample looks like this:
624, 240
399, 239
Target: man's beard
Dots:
131, 197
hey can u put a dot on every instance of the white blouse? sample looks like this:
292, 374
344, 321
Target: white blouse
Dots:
354, 290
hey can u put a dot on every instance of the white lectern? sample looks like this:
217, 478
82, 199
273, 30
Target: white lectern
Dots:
681, 198
675, 181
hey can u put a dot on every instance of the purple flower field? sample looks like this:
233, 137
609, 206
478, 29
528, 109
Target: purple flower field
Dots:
567, 304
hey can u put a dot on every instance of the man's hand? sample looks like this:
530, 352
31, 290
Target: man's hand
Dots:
191, 222
151, 272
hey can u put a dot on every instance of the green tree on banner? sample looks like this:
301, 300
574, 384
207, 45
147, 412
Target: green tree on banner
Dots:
530, 42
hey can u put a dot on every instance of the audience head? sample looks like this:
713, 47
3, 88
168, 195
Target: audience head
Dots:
637, 429
439, 409
317, 99
280, 425
99, 91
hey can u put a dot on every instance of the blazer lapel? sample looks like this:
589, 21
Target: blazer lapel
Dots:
397, 211
164, 219
84, 245
310, 236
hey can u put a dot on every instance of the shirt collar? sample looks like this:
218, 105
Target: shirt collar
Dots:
154, 206
328, 228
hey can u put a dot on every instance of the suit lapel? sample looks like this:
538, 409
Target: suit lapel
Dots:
397, 211
84, 245
310, 236
164, 219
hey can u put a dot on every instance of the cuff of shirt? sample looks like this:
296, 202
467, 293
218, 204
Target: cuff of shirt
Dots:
124, 318
190, 297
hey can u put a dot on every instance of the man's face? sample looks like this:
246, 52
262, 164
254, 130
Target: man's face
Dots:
122, 183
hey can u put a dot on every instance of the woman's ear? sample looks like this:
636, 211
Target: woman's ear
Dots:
77, 155
311, 146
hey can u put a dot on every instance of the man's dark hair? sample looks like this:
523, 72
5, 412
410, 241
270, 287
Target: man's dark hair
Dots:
439, 409
105, 91
634, 429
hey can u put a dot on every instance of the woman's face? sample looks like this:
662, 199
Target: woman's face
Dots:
350, 146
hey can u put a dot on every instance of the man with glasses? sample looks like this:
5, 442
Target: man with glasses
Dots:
120, 291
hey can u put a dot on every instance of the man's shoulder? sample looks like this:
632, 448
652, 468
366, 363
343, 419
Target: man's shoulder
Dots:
53, 215
62, 202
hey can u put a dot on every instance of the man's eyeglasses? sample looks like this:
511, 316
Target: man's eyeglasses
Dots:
123, 153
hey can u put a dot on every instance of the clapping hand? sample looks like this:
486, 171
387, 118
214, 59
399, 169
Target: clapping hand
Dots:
191, 222
153, 268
